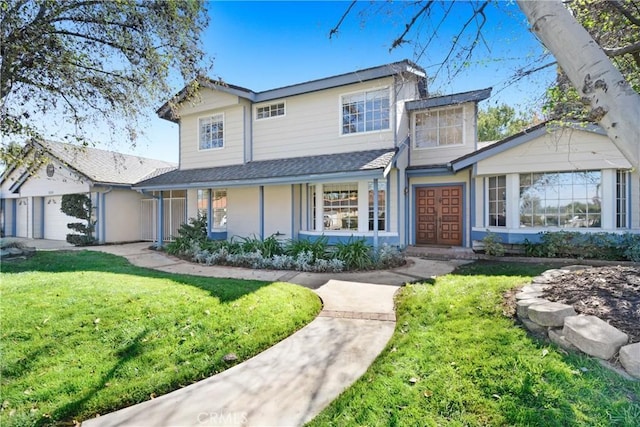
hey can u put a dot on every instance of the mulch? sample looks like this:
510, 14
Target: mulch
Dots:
612, 293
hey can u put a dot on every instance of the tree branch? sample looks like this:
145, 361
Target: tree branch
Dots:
623, 10
95, 39
397, 42
335, 29
618, 51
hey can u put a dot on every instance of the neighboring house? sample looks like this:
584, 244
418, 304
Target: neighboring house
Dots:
370, 154
30, 198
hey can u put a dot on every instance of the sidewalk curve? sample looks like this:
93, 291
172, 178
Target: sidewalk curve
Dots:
291, 382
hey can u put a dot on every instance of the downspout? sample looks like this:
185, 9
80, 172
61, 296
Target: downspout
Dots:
102, 218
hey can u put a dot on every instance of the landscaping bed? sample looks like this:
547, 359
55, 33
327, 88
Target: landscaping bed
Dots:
611, 293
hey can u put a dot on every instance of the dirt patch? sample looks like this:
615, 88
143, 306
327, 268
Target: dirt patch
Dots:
612, 293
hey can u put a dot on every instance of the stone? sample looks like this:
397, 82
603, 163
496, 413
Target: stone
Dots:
543, 280
534, 327
594, 336
231, 357
556, 337
534, 287
630, 359
528, 295
576, 267
14, 251
522, 306
550, 313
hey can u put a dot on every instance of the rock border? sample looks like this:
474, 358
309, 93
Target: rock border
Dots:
560, 324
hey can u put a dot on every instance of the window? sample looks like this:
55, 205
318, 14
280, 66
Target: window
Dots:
560, 199
212, 132
365, 111
340, 206
438, 128
273, 110
497, 201
621, 199
218, 207
382, 201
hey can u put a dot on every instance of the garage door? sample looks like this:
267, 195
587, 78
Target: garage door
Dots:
55, 222
22, 217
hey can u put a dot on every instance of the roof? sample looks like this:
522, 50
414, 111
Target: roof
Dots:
453, 99
518, 139
358, 76
99, 166
297, 169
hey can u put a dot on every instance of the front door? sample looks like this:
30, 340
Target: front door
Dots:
439, 215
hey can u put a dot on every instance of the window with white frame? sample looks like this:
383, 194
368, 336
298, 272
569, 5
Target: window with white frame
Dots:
218, 207
561, 199
365, 111
438, 128
497, 200
382, 205
211, 132
621, 199
273, 110
340, 206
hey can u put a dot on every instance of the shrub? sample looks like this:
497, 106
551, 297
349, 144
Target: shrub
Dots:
389, 256
190, 233
318, 248
493, 244
79, 206
605, 246
355, 254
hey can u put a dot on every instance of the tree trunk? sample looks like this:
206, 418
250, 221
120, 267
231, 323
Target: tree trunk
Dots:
615, 105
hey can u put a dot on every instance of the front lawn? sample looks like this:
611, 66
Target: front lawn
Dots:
456, 359
86, 333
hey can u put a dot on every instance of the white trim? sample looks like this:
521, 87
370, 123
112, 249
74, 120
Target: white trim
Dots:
364, 91
210, 116
438, 109
270, 104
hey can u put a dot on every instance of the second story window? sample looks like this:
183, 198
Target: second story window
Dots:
438, 128
365, 111
273, 110
212, 132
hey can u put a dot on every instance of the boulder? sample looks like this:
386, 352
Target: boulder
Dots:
594, 336
556, 337
522, 306
534, 287
550, 313
534, 327
528, 295
630, 359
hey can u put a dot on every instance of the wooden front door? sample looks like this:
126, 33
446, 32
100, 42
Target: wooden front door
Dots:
439, 215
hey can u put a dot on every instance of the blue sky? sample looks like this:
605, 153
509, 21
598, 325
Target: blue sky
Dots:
264, 45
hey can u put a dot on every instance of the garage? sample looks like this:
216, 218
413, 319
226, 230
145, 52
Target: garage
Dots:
22, 217
55, 221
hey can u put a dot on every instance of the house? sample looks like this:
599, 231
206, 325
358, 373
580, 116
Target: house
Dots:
371, 154
31, 194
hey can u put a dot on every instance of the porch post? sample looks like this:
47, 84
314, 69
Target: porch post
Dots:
261, 208
375, 213
160, 228
209, 212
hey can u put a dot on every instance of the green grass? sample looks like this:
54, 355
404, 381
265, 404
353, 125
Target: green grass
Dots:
84, 333
456, 359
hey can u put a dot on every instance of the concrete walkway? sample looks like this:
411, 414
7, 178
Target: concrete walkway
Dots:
291, 382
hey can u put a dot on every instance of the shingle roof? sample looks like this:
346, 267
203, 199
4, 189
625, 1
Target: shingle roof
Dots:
453, 99
102, 166
265, 170
357, 76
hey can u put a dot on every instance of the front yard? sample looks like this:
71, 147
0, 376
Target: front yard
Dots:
457, 359
86, 333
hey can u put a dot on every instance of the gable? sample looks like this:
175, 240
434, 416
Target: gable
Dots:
207, 99
559, 150
47, 180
